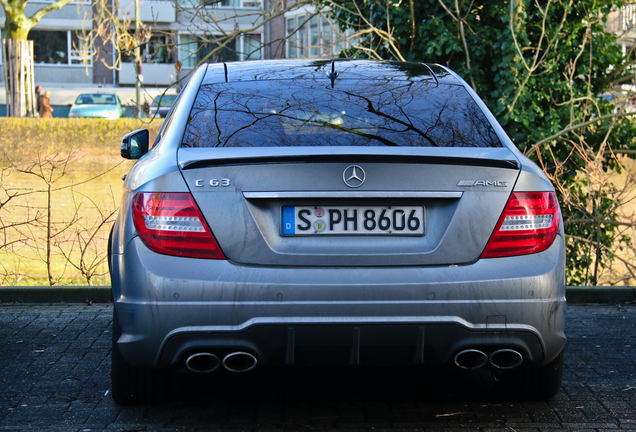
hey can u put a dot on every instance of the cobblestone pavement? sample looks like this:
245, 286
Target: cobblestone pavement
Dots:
54, 376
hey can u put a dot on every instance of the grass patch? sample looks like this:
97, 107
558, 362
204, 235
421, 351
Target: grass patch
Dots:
71, 170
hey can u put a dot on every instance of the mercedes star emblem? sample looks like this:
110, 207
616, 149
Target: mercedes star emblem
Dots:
353, 176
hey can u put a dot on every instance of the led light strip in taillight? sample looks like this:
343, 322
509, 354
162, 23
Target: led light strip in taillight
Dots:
172, 224
529, 224
517, 223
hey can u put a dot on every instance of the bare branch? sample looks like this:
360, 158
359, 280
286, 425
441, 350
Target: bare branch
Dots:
578, 126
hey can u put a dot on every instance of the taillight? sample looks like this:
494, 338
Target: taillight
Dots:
529, 224
171, 224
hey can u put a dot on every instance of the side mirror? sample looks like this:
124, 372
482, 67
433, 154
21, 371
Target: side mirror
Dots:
135, 144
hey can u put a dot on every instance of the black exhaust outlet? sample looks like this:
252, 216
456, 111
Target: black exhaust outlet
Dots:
202, 362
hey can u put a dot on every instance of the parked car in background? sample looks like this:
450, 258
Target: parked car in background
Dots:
623, 100
161, 105
97, 105
318, 213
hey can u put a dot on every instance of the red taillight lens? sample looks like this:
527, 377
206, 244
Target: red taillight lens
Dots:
171, 224
529, 224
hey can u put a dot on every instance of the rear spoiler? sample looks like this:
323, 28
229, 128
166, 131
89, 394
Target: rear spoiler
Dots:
193, 158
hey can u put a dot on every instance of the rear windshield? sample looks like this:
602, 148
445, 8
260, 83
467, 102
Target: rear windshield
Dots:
96, 99
352, 113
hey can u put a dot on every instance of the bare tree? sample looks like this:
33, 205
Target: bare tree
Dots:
127, 33
219, 29
83, 248
13, 220
213, 34
33, 228
560, 61
18, 54
49, 169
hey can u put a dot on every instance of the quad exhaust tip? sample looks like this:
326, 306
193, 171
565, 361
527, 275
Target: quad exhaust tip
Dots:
506, 359
471, 359
239, 362
202, 363
503, 359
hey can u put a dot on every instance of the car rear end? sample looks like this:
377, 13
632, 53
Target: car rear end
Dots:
320, 215
97, 105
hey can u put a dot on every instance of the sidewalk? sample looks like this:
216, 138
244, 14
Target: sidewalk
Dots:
65, 94
101, 294
55, 377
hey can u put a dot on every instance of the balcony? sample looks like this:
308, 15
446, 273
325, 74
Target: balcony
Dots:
150, 11
162, 74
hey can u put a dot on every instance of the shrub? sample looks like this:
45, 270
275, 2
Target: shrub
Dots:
60, 187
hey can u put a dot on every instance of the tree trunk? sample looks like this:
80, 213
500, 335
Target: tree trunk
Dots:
18, 77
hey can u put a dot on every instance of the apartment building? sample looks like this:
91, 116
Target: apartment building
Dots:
182, 30
53, 37
622, 22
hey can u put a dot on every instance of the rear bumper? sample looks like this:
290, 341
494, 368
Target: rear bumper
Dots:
169, 307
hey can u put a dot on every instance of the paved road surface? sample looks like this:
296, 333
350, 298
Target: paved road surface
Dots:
54, 376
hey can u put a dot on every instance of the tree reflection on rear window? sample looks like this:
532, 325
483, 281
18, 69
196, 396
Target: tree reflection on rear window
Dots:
280, 113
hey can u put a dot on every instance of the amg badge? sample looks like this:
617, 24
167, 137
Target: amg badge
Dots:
485, 183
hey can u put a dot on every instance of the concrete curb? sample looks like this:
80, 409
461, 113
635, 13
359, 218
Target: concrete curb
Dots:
101, 294
55, 294
601, 294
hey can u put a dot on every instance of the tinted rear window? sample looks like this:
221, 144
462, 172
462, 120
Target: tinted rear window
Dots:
352, 113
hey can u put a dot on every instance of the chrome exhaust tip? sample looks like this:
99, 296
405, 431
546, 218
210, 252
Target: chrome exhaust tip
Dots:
471, 359
239, 362
202, 363
506, 359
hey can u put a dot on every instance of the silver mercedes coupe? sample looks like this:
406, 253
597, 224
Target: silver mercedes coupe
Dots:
333, 213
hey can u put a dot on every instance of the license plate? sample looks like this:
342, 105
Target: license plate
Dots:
353, 220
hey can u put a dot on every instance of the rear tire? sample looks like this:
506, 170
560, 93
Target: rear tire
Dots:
531, 381
132, 385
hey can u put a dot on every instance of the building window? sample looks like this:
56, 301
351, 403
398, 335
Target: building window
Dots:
194, 49
297, 37
80, 48
60, 47
239, 3
292, 39
629, 17
50, 47
72, 1
311, 36
221, 3
252, 46
159, 49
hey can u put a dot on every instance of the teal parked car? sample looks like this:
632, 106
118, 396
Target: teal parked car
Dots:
160, 107
97, 105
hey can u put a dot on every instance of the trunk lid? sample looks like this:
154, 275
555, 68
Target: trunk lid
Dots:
456, 194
